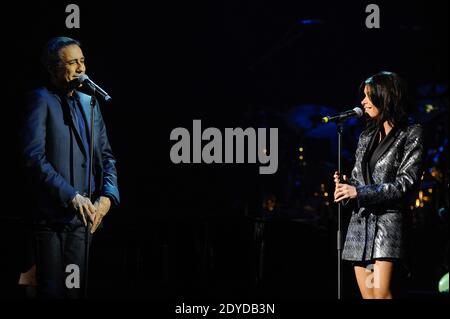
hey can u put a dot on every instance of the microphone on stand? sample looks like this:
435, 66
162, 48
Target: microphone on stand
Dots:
93, 88
356, 112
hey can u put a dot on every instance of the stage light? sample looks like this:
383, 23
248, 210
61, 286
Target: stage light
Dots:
443, 284
429, 108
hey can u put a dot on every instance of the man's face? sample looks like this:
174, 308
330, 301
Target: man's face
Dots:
70, 65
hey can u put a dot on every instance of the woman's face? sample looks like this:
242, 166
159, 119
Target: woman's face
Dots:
368, 106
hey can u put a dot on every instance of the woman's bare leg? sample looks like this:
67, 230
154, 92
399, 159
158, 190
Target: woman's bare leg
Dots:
364, 279
383, 277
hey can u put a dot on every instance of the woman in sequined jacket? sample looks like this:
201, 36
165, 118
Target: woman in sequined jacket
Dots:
388, 168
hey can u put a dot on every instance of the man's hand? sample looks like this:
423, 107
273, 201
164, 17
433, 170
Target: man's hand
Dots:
103, 204
84, 207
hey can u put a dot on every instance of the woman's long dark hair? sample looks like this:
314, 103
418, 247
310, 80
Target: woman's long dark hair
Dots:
389, 93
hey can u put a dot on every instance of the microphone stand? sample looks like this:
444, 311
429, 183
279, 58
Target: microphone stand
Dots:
340, 128
91, 162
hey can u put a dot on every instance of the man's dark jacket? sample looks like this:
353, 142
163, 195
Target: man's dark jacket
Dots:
57, 158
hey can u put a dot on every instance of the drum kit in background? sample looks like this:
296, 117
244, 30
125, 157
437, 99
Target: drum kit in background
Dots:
310, 156
432, 114
308, 153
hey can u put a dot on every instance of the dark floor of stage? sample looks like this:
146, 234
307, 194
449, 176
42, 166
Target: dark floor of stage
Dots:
239, 257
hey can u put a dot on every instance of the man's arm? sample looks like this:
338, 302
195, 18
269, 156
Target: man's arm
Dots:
110, 191
33, 138
110, 187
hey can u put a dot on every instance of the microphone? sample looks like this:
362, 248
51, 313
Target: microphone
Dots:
94, 88
356, 112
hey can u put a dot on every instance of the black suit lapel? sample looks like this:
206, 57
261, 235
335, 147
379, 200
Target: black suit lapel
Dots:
379, 150
385, 144
73, 124
86, 111
365, 161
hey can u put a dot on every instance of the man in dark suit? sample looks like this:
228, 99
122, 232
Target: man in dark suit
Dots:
56, 142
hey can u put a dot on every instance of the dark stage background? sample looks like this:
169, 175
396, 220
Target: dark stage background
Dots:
223, 230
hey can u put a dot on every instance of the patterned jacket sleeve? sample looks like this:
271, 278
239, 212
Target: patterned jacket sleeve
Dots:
407, 177
353, 180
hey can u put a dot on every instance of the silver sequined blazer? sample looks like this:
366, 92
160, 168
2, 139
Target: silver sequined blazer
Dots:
377, 224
